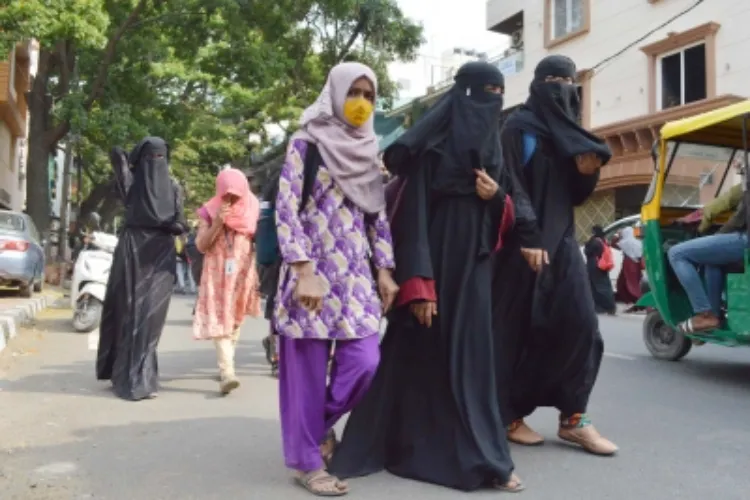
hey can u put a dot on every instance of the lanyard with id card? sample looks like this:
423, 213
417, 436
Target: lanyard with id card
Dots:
229, 263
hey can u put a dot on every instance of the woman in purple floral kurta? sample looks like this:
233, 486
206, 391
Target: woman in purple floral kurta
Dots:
327, 290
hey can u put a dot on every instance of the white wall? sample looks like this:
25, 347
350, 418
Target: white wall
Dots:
619, 90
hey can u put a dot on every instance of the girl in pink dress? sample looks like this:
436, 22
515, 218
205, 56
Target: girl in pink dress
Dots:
229, 282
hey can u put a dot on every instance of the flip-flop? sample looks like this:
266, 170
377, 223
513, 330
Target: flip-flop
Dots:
309, 481
687, 327
518, 488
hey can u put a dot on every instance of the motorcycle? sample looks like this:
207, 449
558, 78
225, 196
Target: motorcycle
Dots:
89, 283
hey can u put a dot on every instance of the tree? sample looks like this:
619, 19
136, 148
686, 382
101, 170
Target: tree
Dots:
374, 32
202, 73
67, 30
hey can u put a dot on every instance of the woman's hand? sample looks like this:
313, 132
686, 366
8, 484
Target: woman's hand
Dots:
588, 163
424, 312
223, 212
388, 289
536, 257
485, 185
310, 288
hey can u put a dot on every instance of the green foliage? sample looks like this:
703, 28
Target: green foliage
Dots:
82, 22
203, 74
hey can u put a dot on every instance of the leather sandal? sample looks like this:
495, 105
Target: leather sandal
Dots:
520, 433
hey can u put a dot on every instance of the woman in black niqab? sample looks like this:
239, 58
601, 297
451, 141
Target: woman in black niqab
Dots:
143, 270
545, 322
599, 280
431, 413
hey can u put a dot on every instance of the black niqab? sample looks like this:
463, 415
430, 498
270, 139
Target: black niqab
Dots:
463, 127
151, 200
552, 109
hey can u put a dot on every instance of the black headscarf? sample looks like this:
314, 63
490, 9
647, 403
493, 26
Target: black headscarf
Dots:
151, 200
597, 232
463, 127
552, 109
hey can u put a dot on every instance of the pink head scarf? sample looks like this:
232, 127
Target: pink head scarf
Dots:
349, 153
243, 214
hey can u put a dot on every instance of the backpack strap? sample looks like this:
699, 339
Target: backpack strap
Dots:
529, 147
310, 172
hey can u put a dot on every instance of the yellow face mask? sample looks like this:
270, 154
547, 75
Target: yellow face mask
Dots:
357, 110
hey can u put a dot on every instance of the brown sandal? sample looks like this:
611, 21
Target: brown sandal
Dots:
514, 485
322, 484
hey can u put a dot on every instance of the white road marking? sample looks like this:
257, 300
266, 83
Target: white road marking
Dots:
93, 340
620, 356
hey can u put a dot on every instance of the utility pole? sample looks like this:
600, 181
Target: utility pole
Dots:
62, 235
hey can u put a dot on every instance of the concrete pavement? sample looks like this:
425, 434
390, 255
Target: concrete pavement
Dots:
683, 428
17, 311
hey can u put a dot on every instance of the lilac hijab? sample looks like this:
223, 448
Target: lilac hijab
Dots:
349, 153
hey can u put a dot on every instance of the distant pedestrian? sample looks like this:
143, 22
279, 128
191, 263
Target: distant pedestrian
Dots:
185, 282
629, 280
229, 281
143, 270
598, 266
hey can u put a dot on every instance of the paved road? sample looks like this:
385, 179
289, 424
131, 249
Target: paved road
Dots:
684, 428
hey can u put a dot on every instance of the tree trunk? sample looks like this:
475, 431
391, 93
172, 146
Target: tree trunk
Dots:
96, 197
37, 170
109, 209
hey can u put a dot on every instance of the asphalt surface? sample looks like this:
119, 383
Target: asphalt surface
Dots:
683, 428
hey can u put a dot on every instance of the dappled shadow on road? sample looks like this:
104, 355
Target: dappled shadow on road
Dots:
189, 371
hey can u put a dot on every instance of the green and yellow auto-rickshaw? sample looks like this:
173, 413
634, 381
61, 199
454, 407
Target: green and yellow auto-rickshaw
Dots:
696, 161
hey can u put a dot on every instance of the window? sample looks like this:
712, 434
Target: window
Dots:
682, 76
11, 222
567, 17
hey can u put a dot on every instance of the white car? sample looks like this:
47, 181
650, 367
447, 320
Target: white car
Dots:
609, 232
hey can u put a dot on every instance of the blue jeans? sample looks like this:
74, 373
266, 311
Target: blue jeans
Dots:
711, 252
183, 269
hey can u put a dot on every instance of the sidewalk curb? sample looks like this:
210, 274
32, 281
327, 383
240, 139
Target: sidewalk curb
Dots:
13, 319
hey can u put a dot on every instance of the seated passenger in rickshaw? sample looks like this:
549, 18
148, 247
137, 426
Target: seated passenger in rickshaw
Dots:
712, 252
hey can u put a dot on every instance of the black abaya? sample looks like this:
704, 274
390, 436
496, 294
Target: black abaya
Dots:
431, 413
546, 325
143, 272
601, 284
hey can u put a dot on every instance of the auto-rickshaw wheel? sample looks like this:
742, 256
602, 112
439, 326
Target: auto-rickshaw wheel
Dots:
663, 341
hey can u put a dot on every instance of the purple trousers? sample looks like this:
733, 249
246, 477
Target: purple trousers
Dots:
309, 406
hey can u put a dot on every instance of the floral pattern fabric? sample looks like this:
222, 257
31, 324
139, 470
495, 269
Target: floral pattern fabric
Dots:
225, 299
342, 242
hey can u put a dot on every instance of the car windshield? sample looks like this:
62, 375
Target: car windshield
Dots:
11, 222
696, 174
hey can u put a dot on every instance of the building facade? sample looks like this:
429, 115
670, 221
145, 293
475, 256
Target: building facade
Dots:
15, 78
640, 63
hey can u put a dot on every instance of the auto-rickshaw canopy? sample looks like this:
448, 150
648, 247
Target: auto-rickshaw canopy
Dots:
720, 127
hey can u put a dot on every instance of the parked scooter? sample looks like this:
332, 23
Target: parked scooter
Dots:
89, 283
